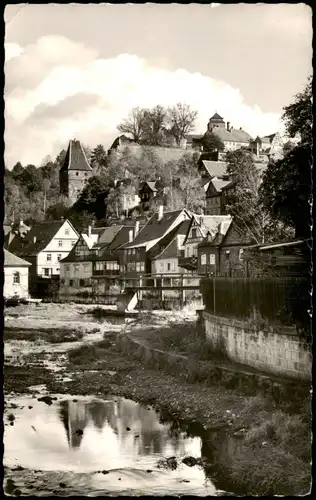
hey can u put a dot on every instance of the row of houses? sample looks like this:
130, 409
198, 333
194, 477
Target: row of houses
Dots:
102, 261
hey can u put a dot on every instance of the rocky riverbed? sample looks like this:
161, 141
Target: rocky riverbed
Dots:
218, 439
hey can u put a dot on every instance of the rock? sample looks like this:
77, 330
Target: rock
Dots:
192, 461
30, 407
119, 478
75, 400
184, 481
10, 486
19, 467
11, 423
105, 472
148, 470
79, 432
137, 435
168, 463
14, 406
11, 417
62, 485
264, 443
128, 428
46, 399
17, 492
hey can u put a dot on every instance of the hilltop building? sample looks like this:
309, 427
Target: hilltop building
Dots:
75, 172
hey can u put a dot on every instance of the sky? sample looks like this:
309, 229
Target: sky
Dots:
75, 71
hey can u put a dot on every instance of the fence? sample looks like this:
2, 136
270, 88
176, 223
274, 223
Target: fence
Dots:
282, 301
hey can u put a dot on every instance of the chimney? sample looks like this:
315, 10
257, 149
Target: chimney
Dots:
228, 126
136, 231
21, 222
160, 212
130, 235
89, 231
34, 239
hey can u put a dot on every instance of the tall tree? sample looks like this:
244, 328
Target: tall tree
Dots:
181, 120
286, 188
242, 200
134, 124
154, 126
99, 157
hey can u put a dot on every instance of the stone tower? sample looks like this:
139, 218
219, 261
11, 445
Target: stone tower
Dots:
215, 121
75, 172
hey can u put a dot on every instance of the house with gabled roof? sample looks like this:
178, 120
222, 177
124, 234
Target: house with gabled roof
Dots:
214, 199
151, 194
76, 267
138, 252
167, 260
16, 276
44, 246
75, 172
199, 227
221, 252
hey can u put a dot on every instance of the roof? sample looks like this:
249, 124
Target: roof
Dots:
12, 260
90, 240
172, 248
216, 116
152, 185
212, 223
155, 229
219, 184
43, 233
233, 135
109, 234
75, 158
215, 168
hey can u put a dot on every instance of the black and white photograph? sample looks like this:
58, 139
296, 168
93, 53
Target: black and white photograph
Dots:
157, 249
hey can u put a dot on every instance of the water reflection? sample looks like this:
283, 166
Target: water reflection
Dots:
88, 434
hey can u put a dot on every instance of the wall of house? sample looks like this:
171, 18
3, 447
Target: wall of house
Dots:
75, 277
57, 249
10, 288
213, 205
208, 260
279, 351
77, 180
169, 265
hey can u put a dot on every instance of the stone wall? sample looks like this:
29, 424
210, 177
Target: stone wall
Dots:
276, 350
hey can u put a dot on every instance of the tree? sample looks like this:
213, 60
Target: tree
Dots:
242, 199
60, 158
181, 119
134, 124
17, 170
286, 188
188, 186
99, 157
57, 211
92, 197
211, 143
154, 127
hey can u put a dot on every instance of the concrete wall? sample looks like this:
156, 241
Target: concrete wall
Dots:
280, 351
10, 289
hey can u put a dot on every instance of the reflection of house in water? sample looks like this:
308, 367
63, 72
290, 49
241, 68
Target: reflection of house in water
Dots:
100, 413
74, 416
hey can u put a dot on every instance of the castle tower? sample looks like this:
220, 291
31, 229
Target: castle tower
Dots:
75, 172
215, 121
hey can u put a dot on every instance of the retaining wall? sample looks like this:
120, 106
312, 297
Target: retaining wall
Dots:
280, 351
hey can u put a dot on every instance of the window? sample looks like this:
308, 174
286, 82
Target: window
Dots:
168, 266
81, 282
142, 266
71, 282
173, 266
203, 259
59, 257
241, 252
134, 251
72, 243
77, 173
194, 233
46, 271
67, 267
76, 267
16, 277
67, 232
161, 266
60, 243
48, 257
86, 266
58, 269
138, 266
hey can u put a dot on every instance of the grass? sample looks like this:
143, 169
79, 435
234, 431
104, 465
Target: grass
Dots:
19, 378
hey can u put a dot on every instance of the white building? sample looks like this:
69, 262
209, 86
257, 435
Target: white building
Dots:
16, 276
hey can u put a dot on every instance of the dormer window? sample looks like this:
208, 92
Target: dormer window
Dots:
60, 243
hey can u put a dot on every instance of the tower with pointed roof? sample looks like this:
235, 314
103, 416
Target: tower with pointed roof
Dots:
215, 121
75, 172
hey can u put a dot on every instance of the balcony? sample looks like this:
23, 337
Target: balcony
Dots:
189, 263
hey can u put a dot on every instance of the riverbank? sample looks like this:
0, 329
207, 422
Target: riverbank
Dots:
270, 453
